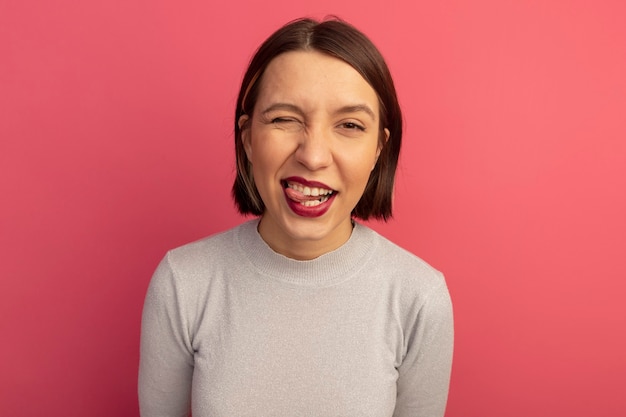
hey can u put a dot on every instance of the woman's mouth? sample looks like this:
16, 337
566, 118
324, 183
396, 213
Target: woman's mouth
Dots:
306, 198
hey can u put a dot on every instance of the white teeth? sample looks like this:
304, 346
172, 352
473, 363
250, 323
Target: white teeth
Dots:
309, 191
313, 203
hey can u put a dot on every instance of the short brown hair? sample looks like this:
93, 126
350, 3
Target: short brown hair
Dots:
340, 40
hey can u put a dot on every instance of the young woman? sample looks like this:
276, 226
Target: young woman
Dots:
303, 311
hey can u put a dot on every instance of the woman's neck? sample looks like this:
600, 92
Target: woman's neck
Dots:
304, 247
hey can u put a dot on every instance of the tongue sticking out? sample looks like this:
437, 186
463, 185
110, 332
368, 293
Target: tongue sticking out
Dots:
298, 196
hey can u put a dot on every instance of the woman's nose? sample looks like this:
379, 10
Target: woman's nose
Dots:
314, 149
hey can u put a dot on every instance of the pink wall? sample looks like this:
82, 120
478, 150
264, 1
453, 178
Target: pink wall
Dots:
115, 145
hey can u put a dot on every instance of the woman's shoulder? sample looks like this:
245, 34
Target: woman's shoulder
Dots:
218, 242
208, 253
401, 266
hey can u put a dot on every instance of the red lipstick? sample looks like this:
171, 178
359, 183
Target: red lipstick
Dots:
301, 204
307, 183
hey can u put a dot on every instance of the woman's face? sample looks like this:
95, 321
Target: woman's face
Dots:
312, 140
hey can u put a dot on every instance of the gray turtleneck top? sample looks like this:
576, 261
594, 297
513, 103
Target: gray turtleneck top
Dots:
231, 328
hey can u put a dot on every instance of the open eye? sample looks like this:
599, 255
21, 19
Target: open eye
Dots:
352, 126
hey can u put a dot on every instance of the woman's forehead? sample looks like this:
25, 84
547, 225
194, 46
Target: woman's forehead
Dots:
313, 79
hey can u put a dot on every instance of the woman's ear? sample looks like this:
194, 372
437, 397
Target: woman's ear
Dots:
380, 146
387, 134
244, 128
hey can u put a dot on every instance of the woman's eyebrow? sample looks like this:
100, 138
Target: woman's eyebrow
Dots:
356, 108
351, 108
283, 106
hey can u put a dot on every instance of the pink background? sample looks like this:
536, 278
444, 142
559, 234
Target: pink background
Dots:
116, 144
